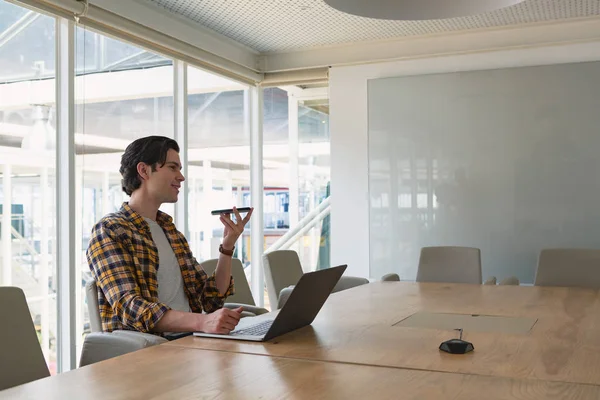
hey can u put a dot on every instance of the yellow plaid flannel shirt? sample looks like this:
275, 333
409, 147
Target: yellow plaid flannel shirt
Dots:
124, 259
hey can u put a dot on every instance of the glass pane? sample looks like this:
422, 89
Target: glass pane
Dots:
276, 173
312, 182
218, 161
99, 53
115, 104
10, 14
28, 44
27, 165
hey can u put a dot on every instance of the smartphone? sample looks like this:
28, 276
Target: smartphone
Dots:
230, 211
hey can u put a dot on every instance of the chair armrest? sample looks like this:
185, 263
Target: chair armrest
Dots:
147, 339
284, 295
245, 314
100, 346
347, 282
246, 307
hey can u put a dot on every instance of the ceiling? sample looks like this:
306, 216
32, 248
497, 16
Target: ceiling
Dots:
272, 26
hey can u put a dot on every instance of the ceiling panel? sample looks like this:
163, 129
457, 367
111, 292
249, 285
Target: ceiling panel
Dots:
285, 25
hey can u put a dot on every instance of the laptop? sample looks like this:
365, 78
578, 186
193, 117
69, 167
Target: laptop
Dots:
300, 310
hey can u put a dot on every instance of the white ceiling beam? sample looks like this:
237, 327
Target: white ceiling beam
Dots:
114, 86
480, 40
230, 154
272, 151
292, 90
308, 93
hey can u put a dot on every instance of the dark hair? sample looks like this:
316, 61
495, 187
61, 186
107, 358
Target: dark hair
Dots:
150, 150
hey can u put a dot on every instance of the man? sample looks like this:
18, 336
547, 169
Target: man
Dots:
147, 277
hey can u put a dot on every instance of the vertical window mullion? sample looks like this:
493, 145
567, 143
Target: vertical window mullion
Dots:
65, 194
253, 121
294, 146
180, 99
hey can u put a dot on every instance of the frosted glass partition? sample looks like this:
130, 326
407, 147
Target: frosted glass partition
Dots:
504, 160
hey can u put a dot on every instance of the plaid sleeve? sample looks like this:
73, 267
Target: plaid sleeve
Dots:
210, 297
113, 269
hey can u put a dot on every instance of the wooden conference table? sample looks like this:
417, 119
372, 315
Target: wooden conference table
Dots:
356, 349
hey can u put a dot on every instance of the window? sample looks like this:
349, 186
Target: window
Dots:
115, 104
296, 132
122, 93
27, 162
218, 161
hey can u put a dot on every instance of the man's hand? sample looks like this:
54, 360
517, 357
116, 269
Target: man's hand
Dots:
221, 321
233, 230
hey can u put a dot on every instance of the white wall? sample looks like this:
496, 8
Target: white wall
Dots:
349, 132
503, 160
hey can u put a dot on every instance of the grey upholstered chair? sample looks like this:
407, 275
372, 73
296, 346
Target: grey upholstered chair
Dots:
283, 269
511, 280
284, 295
21, 357
99, 345
490, 281
569, 267
243, 295
390, 278
450, 264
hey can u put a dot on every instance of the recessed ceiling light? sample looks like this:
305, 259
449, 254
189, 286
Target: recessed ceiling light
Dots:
418, 9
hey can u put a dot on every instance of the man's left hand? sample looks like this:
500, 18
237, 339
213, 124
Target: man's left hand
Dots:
233, 230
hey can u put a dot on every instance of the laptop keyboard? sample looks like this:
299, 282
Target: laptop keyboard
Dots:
255, 330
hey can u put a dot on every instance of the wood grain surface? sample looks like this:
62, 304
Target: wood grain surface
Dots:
356, 326
170, 372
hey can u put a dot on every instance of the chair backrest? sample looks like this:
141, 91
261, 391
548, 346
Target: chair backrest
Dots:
243, 294
91, 297
22, 358
511, 280
569, 267
450, 264
284, 295
282, 269
348, 282
490, 281
391, 277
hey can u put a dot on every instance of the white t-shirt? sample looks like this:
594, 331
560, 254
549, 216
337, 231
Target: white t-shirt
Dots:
170, 282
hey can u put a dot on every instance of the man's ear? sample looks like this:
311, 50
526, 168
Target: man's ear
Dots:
143, 170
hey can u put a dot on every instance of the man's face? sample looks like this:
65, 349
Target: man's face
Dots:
164, 183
